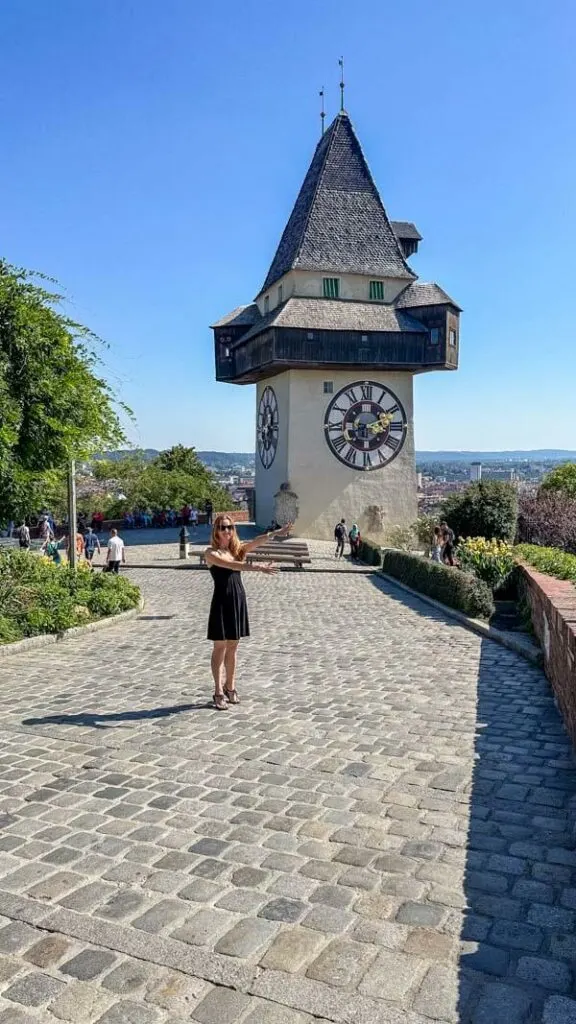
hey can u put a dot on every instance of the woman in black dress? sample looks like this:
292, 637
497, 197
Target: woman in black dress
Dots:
228, 620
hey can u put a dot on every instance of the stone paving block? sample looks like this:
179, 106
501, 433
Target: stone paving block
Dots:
241, 901
559, 1010
81, 1003
204, 927
48, 950
221, 1006
330, 920
343, 963
550, 974
89, 964
438, 995
426, 943
177, 993
292, 949
247, 937
160, 916
517, 935
34, 989
128, 977
14, 1016
425, 915
286, 910
16, 936
502, 1004
392, 976
127, 1012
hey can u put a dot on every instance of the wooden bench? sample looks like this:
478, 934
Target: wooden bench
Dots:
281, 552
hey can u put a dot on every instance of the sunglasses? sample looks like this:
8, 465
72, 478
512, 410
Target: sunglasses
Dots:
224, 528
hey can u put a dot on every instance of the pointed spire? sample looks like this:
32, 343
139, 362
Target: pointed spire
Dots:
341, 63
338, 223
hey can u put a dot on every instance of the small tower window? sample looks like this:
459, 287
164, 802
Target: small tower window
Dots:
266, 305
377, 291
280, 293
328, 387
331, 287
310, 336
435, 336
452, 337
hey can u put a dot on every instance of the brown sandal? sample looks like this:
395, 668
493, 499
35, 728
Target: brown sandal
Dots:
231, 696
220, 702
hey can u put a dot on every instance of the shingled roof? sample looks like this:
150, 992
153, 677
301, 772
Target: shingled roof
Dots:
312, 314
239, 316
405, 229
420, 293
339, 224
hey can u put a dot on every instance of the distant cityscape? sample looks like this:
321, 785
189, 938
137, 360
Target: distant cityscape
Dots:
438, 473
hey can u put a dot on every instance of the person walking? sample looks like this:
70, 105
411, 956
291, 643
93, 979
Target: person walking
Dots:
228, 618
437, 545
209, 509
340, 536
44, 531
448, 544
354, 538
115, 553
24, 536
91, 545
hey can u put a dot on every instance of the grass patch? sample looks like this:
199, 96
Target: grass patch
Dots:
551, 561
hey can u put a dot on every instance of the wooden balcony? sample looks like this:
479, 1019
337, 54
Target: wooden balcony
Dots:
279, 349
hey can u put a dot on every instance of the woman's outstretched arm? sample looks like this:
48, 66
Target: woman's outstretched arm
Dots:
213, 558
282, 532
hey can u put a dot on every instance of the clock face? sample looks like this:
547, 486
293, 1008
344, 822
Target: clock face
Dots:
267, 427
365, 425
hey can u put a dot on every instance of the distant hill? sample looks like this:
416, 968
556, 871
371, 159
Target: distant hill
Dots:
223, 460
532, 455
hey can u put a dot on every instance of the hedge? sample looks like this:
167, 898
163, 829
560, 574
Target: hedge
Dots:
551, 561
370, 553
450, 586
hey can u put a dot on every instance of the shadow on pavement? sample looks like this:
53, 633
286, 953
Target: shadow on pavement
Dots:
105, 720
514, 887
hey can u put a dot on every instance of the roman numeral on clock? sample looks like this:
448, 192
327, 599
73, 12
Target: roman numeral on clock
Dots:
390, 412
392, 442
366, 392
339, 443
398, 425
366, 460
351, 396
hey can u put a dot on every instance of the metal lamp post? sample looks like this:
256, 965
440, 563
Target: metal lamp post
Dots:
72, 514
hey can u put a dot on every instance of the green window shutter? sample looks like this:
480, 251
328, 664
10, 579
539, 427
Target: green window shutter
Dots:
377, 290
331, 287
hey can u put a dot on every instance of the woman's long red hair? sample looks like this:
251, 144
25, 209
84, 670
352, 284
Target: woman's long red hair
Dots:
236, 548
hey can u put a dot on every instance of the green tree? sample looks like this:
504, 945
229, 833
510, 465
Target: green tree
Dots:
561, 480
182, 459
53, 404
487, 509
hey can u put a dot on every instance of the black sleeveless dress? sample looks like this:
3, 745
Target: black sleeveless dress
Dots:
228, 619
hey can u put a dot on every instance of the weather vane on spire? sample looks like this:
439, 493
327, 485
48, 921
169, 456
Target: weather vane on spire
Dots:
322, 112
341, 63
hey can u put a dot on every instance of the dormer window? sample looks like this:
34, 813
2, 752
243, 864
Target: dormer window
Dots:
377, 291
266, 304
435, 336
452, 338
331, 287
280, 293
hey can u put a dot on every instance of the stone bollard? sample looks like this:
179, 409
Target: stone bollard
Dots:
184, 545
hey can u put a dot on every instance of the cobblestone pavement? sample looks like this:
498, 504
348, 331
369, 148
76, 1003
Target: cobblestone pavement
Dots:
379, 834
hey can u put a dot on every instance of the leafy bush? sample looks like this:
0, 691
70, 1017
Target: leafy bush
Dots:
452, 587
401, 537
490, 560
423, 529
370, 553
37, 596
486, 509
548, 519
551, 561
562, 479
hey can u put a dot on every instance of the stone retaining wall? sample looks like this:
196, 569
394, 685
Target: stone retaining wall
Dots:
553, 606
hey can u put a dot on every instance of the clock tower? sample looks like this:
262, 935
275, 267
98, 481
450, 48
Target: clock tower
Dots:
332, 341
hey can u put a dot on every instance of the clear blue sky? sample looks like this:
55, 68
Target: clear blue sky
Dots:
152, 153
